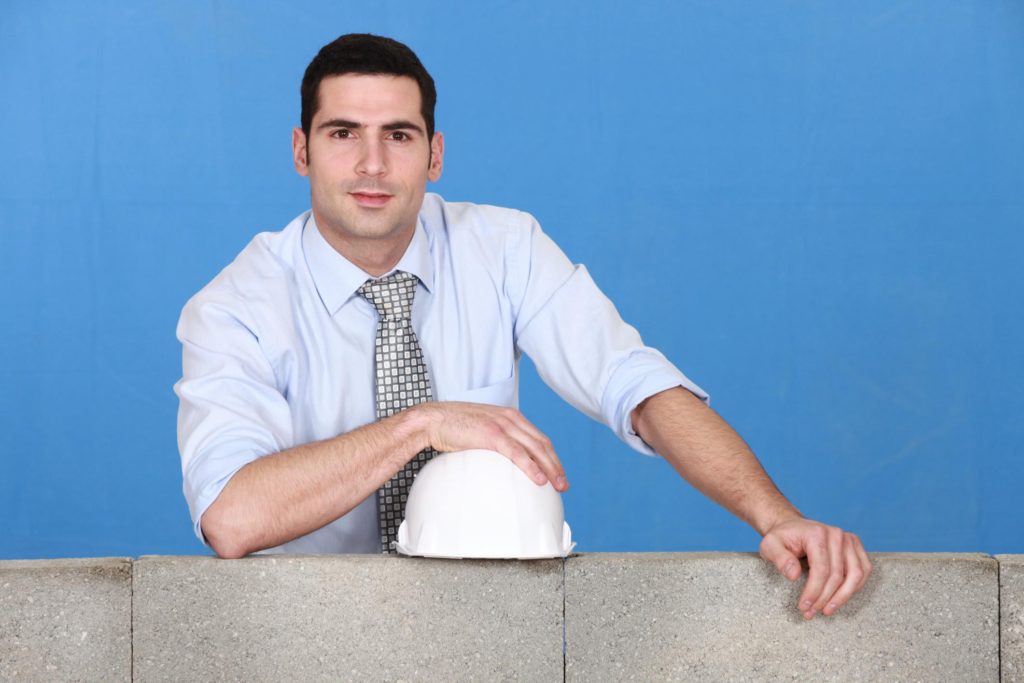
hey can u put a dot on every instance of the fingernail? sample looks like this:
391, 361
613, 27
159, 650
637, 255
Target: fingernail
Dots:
830, 608
805, 605
562, 483
539, 478
809, 614
788, 569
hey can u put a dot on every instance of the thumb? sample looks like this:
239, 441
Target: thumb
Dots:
774, 551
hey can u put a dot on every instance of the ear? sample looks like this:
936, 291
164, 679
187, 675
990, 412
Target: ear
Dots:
299, 152
436, 157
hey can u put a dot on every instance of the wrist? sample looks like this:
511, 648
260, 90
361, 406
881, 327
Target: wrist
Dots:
417, 422
769, 522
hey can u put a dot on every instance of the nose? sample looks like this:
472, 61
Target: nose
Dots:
371, 158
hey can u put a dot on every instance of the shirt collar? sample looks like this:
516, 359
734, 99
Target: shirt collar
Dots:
337, 279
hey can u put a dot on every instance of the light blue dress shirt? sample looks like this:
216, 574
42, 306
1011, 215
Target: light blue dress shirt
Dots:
277, 349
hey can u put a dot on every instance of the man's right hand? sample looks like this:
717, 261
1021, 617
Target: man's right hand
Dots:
458, 426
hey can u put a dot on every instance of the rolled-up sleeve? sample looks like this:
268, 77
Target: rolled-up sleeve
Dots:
231, 411
581, 346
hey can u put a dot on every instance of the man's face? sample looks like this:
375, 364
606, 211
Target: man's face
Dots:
368, 159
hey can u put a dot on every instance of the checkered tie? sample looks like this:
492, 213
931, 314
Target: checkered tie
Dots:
401, 382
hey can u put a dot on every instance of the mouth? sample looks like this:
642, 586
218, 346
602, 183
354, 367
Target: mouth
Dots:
372, 199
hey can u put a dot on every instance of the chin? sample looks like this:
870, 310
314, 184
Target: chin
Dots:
374, 231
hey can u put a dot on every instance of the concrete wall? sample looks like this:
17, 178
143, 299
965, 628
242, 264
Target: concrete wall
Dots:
1011, 616
670, 616
66, 620
725, 616
346, 618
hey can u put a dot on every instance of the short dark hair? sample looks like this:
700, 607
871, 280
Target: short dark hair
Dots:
364, 53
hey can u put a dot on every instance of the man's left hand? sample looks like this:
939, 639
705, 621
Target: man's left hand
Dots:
838, 565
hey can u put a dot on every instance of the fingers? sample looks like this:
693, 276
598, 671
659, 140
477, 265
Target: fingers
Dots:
865, 562
539, 449
517, 453
855, 576
818, 559
858, 569
837, 546
848, 571
506, 430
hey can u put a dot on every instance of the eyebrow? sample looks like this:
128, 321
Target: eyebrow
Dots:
345, 123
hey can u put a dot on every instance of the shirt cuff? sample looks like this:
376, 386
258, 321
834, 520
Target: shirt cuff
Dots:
628, 388
200, 499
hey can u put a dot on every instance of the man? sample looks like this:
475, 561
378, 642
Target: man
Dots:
383, 292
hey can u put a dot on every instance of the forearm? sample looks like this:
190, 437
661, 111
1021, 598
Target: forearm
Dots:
282, 496
710, 455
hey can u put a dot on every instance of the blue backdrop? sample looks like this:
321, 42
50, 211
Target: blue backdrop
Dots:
814, 208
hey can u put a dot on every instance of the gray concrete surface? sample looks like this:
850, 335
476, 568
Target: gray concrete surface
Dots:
347, 618
730, 616
66, 620
1011, 617
672, 616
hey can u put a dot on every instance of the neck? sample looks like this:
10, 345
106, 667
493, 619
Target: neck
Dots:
373, 256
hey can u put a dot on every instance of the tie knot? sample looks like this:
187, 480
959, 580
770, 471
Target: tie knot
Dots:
391, 296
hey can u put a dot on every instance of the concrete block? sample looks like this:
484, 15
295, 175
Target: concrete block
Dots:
66, 620
731, 616
1011, 617
347, 617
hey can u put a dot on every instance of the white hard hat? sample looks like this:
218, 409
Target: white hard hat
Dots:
478, 504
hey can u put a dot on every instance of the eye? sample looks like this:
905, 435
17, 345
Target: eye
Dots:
400, 136
342, 133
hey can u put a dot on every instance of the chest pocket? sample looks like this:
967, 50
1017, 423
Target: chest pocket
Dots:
503, 393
